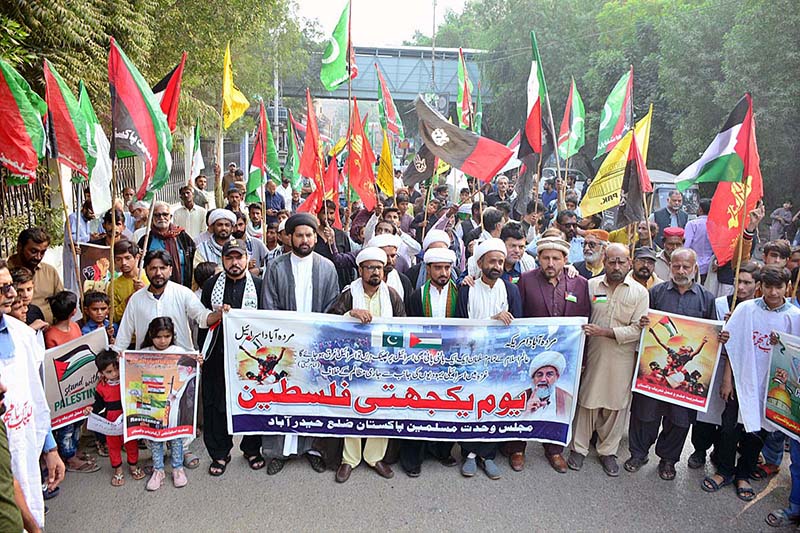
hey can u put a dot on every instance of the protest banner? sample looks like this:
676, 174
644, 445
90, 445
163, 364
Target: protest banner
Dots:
443, 379
677, 359
782, 405
99, 424
95, 263
70, 377
159, 394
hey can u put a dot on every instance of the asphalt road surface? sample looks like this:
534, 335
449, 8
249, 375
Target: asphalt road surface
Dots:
299, 499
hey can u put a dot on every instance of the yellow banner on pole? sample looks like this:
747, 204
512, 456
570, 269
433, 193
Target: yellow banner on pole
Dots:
385, 179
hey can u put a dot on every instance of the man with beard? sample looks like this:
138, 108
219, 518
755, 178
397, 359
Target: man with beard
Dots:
644, 264
681, 295
162, 298
365, 298
273, 202
544, 398
612, 335
189, 215
437, 298
164, 235
501, 195
32, 244
491, 298
202, 197
140, 211
330, 238
306, 282
517, 261
390, 244
670, 216
256, 249
234, 288
112, 234
645, 230
26, 416
255, 224
274, 245
221, 223
387, 220
567, 222
594, 246
435, 238
549, 292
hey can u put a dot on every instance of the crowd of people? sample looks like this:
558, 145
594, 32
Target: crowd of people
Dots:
480, 252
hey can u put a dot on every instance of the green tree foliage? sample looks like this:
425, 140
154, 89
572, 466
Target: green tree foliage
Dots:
693, 59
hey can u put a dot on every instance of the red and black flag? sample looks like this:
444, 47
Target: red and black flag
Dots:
168, 93
467, 151
421, 168
635, 182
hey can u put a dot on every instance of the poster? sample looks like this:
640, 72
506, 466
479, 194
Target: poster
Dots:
95, 263
678, 358
70, 377
448, 379
782, 405
159, 395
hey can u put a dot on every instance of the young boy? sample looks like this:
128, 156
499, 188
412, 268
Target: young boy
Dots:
126, 261
23, 283
95, 314
108, 398
64, 305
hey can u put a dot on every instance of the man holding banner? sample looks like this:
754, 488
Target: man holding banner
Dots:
681, 295
366, 297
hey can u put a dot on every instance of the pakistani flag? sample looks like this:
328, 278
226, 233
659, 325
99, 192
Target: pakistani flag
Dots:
572, 137
197, 156
291, 169
334, 70
724, 159
617, 116
22, 138
98, 154
140, 126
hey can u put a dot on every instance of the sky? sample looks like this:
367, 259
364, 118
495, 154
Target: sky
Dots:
379, 22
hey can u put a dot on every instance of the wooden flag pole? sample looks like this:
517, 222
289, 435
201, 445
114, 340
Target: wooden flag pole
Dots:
350, 54
737, 250
147, 231
72, 246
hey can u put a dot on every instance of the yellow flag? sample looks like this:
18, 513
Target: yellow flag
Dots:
338, 147
604, 192
234, 104
385, 179
442, 168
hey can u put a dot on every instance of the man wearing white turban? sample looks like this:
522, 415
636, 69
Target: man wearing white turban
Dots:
543, 397
221, 223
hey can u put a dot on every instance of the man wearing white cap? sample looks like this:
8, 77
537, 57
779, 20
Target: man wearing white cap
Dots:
467, 214
221, 222
363, 299
435, 299
490, 298
544, 398
283, 238
435, 238
549, 291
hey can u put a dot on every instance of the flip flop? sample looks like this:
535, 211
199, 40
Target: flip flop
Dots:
781, 518
85, 468
218, 466
256, 462
712, 485
764, 471
136, 473
118, 479
746, 494
190, 460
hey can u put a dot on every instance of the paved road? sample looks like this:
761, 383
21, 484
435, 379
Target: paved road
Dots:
298, 499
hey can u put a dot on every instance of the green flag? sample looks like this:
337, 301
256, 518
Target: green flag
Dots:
98, 155
291, 169
334, 60
264, 163
22, 138
572, 136
464, 102
617, 117
478, 111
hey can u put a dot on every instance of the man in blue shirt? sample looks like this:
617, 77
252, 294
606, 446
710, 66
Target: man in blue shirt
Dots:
274, 202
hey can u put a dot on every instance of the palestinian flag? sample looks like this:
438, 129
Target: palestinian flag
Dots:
572, 137
421, 167
734, 198
22, 136
390, 118
168, 93
424, 340
139, 125
724, 159
464, 102
617, 116
98, 156
472, 154
635, 182
292, 164
197, 156
537, 135
72, 361
670, 327
66, 124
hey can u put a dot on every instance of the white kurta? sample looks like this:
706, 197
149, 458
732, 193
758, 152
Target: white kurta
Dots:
303, 271
438, 301
27, 416
485, 302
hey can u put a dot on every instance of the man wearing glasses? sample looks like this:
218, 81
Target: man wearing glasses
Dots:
174, 240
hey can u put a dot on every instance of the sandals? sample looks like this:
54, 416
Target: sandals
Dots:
218, 466
86, 467
190, 460
136, 473
666, 470
712, 485
781, 518
275, 466
764, 471
118, 479
256, 461
746, 494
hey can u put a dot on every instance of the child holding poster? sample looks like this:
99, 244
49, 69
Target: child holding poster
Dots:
161, 338
108, 398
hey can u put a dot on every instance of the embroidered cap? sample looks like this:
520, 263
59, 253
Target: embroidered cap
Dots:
235, 245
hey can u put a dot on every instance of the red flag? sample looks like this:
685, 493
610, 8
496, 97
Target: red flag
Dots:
168, 93
65, 128
311, 161
730, 199
359, 162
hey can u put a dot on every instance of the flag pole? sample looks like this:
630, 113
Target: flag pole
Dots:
147, 231
69, 231
350, 54
644, 194
737, 251
427, 199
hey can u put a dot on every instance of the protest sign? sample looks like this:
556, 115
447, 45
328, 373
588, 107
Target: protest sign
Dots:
421, 378
99, 424
95, 267
677, 360
782, 405
70, 377
159, 394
